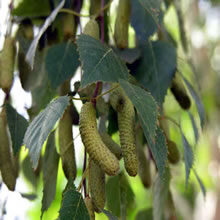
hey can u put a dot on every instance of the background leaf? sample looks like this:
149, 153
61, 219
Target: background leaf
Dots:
200, 183
109, 215
160, 195
195, 129
142, 21
50, 169
197, 100
73, 206
188, 156
156, 68
99, 62
62, 61
32, 49
41, 126
32, 8
145, 214
113, 194
17, 126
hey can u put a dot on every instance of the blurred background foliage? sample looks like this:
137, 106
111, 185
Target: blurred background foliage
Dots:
202, 23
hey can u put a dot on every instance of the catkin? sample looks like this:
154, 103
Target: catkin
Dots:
6, 162
66, 144
173, 152
7, 64
126, 119
180, 93
112, 146
97, 186
94, 145
122, 23
89, 206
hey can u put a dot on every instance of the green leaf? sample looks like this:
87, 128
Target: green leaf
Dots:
73, 206
158, 148
142, 21
153, 7
42, 125
160, 195
29, 196
109, 215
147, 111
156, 68
62, 61
17, 126
145, 214
50, 169
32, 8
197, 100
188, 156
113, 194
200, 183
99, 62
195, 129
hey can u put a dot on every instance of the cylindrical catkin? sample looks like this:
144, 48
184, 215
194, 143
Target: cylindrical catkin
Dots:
94, 145
112, 146
66, 144
97, 186
122, 23
6, 163
173, 152
7, 64
89, 206
126, 120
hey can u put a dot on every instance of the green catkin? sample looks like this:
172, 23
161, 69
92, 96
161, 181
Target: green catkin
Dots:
89, 206
122, 23
93, 143
6, 162
92, 29
7, 62
173, 152
66, 144
179, 92
126, 120
97, 186
112, 146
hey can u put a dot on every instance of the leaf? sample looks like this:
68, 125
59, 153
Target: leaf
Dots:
99, 62
188, 156
145, 214
200, 183
50, 169
128, 55
17, 126
195, 129
109, 215
29, 173
153, 7
29, 196
32, 49
197, 100
41, 126
62, 61
113, 194
32, 8
73, 206
156, 68
142, 21
160, 195
158, 148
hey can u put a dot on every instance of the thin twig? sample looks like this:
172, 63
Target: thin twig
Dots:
172, 120
110, 90
82, 180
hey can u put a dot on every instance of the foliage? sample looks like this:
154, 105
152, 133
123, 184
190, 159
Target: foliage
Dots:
144, 74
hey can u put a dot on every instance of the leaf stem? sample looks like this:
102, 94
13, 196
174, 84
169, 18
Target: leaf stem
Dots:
172, 120
110, 90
